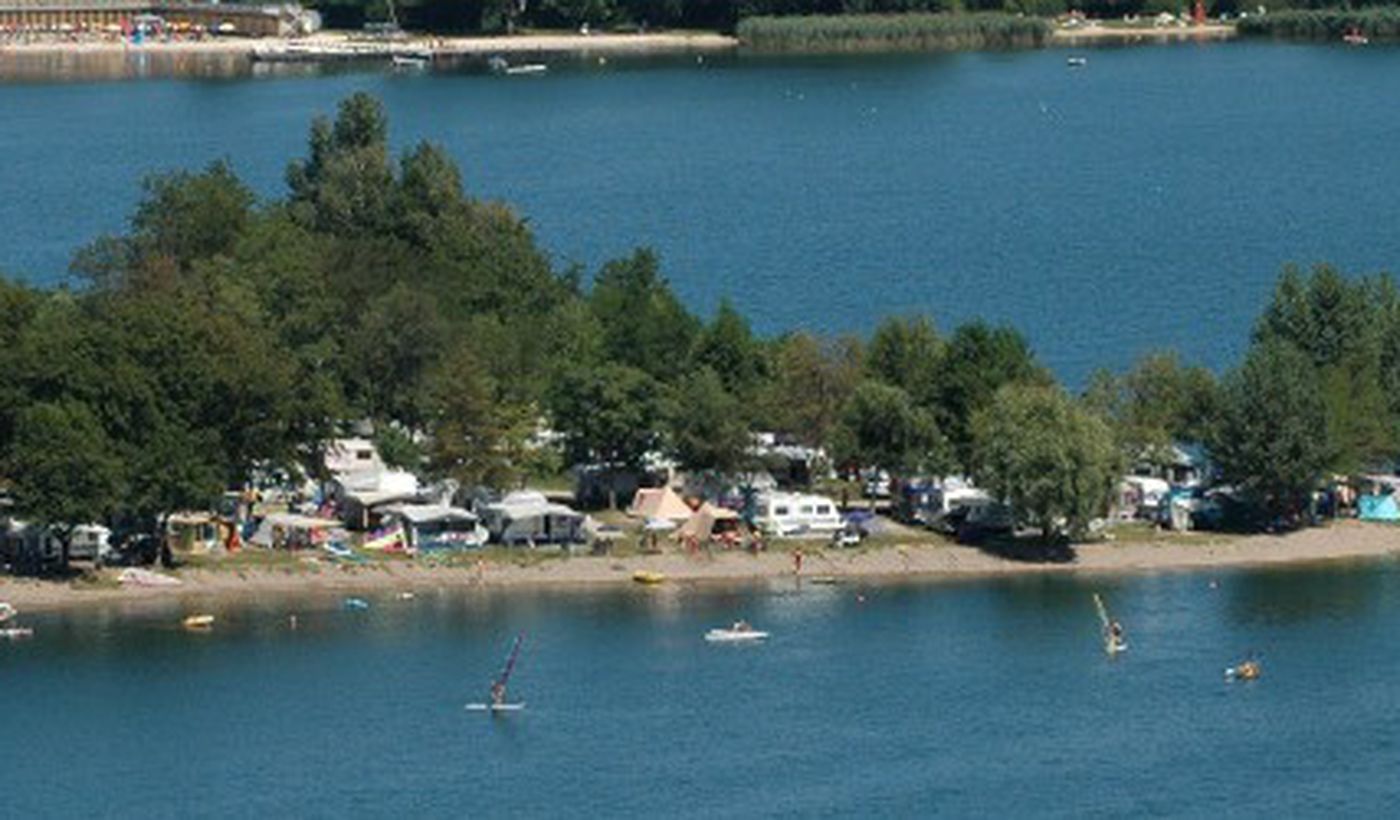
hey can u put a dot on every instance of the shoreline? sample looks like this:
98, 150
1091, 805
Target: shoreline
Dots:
562, 43
445, 46
1095, 35
313, 577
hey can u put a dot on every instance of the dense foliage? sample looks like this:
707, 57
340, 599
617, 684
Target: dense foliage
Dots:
1325, 23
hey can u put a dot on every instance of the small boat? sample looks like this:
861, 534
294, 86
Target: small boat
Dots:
356, 604
824, 580
16, 632
1076, 62
198, 622
498, 65
740, 632
7, 611
496, 702
1354, 37
649, 577
411, 61
1245, 670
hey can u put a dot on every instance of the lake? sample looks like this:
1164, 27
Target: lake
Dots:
988, 698
1147, 199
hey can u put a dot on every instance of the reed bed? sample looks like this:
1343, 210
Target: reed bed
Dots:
1324, 24
892, 32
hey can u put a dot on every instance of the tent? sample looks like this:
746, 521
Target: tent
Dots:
702, 523
1378, 508
529, 518
660, 503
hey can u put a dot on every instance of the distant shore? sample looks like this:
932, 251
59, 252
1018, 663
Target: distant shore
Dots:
657, 43
893, 564
1098, 34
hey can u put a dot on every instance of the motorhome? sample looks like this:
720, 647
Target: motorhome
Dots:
792, 514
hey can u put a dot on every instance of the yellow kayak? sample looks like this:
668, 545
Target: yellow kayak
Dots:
646, 576
198, 622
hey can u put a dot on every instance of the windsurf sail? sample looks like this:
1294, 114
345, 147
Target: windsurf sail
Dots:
498, 689
1103, 612
1112, 637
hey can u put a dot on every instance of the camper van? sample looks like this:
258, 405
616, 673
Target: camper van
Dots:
792, 514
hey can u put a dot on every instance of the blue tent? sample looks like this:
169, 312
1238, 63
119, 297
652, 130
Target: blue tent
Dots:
1378, 508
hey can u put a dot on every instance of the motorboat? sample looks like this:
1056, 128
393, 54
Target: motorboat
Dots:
414, 61
198, 622
498, 65
356, 604
16, 632
1076, 62
7, 611
740, 632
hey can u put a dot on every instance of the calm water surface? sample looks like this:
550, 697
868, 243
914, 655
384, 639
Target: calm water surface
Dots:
990, 698
1146, 200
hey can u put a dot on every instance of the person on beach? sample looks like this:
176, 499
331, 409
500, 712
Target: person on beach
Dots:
797, 562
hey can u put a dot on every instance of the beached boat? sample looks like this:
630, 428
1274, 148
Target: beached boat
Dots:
647, 576
16, 632
740, 632
7, 611
415, 62
201, 621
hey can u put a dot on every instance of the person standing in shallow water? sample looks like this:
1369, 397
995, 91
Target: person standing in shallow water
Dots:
797, 562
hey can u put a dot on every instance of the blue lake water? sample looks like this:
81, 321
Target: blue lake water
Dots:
1148, 199
988, 698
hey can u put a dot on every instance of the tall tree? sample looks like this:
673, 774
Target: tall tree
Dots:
1271, 442
907, 352
644, 325
980, 359
882, 428
1055, 462
707, 424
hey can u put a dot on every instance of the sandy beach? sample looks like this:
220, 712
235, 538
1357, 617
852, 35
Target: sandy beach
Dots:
1095, 34
313, 576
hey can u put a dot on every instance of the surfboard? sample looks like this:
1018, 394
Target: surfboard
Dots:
495, 707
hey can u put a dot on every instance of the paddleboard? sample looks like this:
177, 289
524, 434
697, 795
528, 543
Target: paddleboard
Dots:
495, 707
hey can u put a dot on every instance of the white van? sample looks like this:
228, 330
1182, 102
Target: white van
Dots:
793, 514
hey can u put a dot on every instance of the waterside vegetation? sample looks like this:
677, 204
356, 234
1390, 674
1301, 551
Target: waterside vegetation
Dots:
1325, 24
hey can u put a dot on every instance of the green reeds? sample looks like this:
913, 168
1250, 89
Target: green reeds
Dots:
1324, 24
892, 32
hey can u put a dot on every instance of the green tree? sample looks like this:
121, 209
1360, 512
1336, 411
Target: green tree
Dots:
882, 428
65, 472
345, 186
728, 348
707, 425
1271, 442
811, 382
644, 324
1055, 462
980, 359
907, 352
187, 217
610, 415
